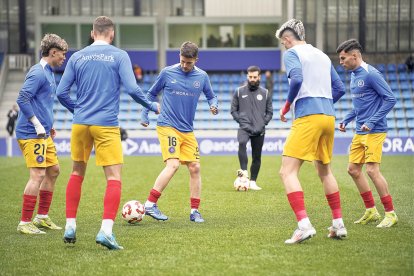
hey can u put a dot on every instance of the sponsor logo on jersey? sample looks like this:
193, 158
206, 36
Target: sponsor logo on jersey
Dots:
360, 83
244, 96
174, 81
259, 97
196, 84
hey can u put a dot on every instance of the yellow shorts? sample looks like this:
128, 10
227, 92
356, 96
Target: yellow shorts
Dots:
311, 138
176, 144
366, 148
106, 140
39, 153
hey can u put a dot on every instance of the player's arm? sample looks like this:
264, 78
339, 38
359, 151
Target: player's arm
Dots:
348, 118
269, 107
66, 82
338, 88
388, 99
234, 110
210, 96
128, 80
31, 85
152, 94
294, 73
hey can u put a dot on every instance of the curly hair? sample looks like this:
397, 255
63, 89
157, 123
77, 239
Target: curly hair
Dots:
50, 41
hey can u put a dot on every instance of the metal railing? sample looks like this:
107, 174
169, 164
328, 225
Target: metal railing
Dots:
19, 61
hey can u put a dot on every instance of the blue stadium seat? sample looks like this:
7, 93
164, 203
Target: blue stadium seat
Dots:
403, 132
401, 67
391, 67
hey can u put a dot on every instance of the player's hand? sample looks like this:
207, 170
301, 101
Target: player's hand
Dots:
40, 131
341, 127
365, 128
282, 116
53, 133
214, 110
144, 119
158, 109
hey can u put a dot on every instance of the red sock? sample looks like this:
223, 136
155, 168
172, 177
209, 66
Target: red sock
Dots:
297, 203
368, 199
334, 202
73, 194
112, 199
45, 199
387, 202
154, 196
29, 203
195, 203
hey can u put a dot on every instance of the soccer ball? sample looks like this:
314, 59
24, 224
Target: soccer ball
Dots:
133, 211
241, 184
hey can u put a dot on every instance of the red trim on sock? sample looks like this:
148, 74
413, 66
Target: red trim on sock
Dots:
73, 195
29, 204
387, 202
195, 203
112, 199
297, 202
368, 199
154, 196
334, 201
45, 199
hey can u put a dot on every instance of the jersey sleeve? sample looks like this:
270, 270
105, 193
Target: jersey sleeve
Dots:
32, 83
388, 99
208, 92
66, 82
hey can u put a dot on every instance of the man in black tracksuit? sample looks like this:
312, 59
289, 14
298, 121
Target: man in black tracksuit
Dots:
252, 108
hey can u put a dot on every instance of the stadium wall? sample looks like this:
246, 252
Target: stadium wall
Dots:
220, 146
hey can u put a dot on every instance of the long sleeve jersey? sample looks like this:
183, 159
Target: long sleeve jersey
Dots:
372, 99
252, 108
314, 83
98, 71
36, 99
180, 97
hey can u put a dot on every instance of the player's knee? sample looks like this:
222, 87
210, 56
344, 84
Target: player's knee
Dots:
283, 173
354, 172
54, 171
194, 168
372, 171
173, 165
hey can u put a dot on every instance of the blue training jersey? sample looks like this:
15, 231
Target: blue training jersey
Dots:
181, 93
98, 71
36, 99
372, 99
314, 83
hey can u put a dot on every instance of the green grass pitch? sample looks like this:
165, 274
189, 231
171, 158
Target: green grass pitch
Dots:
243, 234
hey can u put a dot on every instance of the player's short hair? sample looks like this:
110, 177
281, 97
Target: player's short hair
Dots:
50, 41
102, 25
349, 45
254, 68
293, 25
189, 50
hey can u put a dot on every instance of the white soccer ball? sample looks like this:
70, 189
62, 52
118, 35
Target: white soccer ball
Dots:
133, 211
241, 184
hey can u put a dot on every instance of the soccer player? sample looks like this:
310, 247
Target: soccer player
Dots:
252, 108
182, 84
35, 133
314, 86
372, 100
98, 71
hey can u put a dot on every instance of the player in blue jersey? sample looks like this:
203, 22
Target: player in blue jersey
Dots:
182, 84
314, 86
35, 133
98, 71
372, 99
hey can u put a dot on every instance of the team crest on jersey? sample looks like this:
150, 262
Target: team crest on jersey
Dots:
40, 159
196, 84
360, 83
259, 97
171, 149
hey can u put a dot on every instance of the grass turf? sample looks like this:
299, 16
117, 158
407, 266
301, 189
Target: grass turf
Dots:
243, 234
